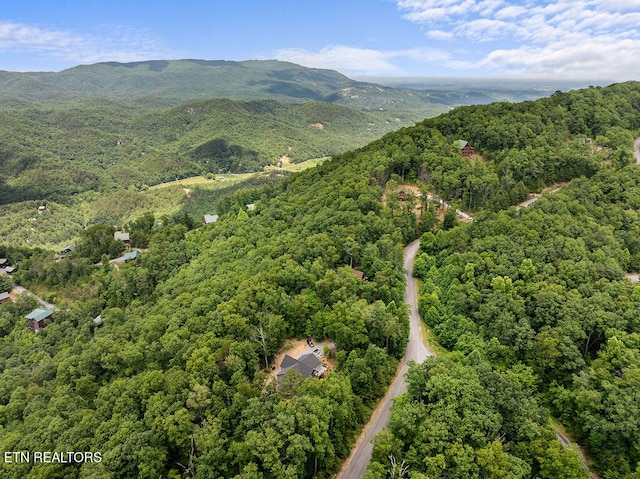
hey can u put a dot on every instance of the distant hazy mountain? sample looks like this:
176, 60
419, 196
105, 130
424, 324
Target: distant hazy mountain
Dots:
186, 80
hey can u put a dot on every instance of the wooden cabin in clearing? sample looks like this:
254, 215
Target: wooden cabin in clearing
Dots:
122, 236
39, 319
466, 150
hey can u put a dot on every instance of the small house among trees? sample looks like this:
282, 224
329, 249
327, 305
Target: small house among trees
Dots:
64, 252
4, 297
122, 236
131, 255
359, 274
39, 319
208, 219
466, 150
308, 365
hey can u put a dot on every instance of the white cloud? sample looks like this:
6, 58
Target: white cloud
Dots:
343, 58
592, 59
116, 44
558, 38
362, 61
510, 12
440, 35
15, 36
485, 29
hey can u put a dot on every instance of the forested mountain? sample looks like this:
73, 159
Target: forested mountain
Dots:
174, 82
532, 302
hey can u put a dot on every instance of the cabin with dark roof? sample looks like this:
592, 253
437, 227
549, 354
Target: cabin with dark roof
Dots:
308, 365
39, 319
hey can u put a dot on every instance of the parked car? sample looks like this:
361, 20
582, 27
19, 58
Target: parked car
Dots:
316, 352
310, 343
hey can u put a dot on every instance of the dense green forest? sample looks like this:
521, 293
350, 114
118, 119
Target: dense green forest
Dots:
55, 153
533, 303
174, 382
76, 139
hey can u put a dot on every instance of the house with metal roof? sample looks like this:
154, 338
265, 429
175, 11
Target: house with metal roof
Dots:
4, 297
131, 255
466, 150
122, 236
208, 219
39, 318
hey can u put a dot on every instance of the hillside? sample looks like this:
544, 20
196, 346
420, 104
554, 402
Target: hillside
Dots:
533, 303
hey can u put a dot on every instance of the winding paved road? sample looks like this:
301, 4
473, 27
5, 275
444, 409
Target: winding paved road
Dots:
356, 465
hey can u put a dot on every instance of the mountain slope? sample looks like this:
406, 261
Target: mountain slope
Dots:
54, 153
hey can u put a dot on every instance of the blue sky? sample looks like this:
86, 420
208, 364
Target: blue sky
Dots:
559, 39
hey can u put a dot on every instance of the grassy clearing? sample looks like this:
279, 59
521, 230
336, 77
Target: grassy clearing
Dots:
226, 179
304, 165
220, 182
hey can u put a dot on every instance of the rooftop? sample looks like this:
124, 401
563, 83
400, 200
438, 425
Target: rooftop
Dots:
210, 219
39, 314
121, 235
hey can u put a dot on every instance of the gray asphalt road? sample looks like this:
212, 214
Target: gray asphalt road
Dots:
636, 150
22, 290
356, 465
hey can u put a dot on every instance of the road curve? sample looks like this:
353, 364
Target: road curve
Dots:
356, 464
